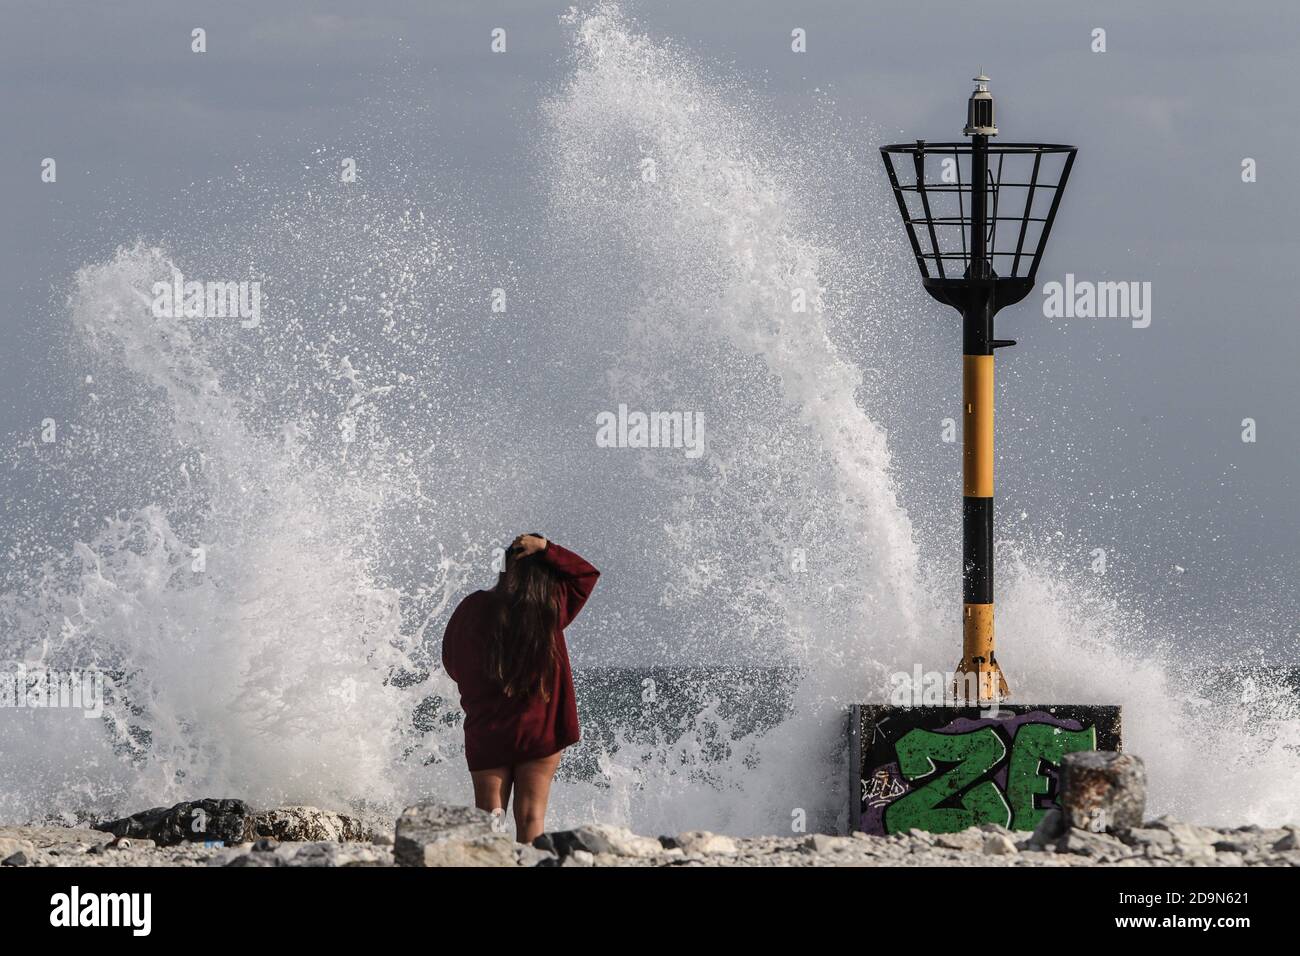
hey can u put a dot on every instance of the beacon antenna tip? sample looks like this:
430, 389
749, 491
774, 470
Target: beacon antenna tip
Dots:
979, 110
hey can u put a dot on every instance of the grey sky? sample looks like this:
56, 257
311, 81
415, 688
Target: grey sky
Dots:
1163, 119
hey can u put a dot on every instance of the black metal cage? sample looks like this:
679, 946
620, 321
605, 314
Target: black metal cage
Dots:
1022, 190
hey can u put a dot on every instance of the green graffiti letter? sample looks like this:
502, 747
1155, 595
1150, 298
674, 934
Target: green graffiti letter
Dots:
1035, 743
975, 754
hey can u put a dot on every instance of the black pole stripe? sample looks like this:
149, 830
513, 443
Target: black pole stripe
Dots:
977, 550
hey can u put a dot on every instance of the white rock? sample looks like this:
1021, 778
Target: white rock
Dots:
531, 856
705, 843
579, 858
432, 834
1187, 834
1158, 837
623, 842
308, 824
999, 844
970, 839
495, 850
55, 837
825, 843
131, 843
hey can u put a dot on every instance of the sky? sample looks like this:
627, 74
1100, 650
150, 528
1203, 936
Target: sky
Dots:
1164, 117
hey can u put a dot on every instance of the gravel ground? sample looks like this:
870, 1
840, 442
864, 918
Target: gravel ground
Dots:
469, 840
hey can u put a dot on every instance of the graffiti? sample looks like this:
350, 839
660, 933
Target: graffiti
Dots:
943, 769
972, 756
882, 789
1037, 745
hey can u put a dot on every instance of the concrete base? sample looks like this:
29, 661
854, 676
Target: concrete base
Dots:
944, 769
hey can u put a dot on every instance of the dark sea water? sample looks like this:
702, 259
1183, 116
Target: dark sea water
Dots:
708, 710
711, 708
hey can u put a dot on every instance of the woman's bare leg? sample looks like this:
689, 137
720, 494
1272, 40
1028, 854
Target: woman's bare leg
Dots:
492, 792
532, 790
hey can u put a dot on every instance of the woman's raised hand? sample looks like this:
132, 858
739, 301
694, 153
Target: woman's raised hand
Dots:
527, 544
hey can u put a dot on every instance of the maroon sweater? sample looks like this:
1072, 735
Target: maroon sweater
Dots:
502, 731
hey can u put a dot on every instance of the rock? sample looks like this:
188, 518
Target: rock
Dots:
1048, 831
704, 843
433, 834
1232, 846
15, 859
1147, 836
597, 838
579, 858
1102, 791
526, 855
323, 853
1088, 843
563, 843
999, 844
10, 846
49, 837
230, 821
126, 843
265, 845
309, 824
1190, 842
621, 841
256, 859
825, 843
382, 839
970, 840
332, 853
1289, 842
1184, 831
994, 828
495, 850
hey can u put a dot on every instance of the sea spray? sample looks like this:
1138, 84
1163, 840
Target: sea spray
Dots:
247, 644
718, 248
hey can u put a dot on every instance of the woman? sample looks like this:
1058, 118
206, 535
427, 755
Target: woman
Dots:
505, 650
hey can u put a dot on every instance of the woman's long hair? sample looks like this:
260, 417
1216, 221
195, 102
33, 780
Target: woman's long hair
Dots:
521, 652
